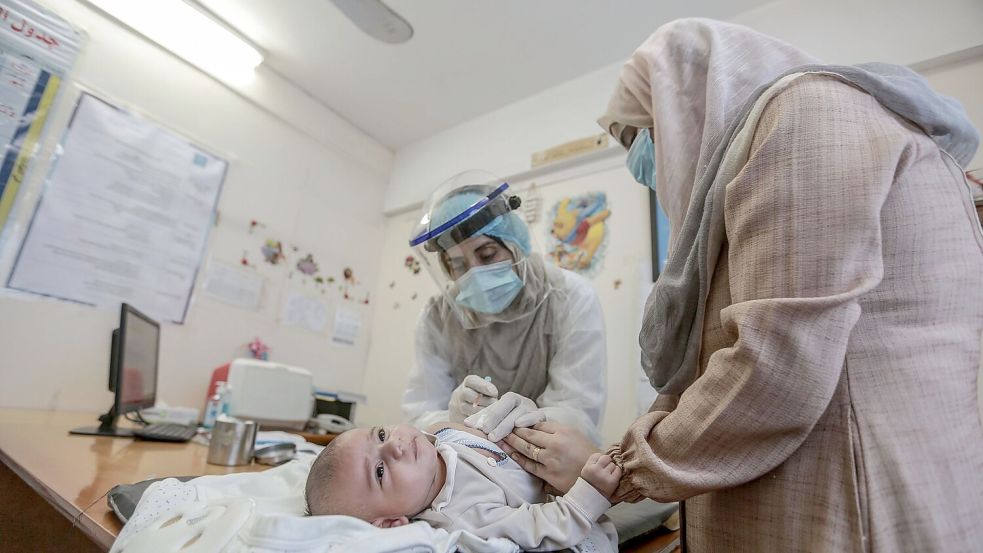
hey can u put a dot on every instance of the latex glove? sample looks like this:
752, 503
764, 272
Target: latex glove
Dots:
509, 412
474, 394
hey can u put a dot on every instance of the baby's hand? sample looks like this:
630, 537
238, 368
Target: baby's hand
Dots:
602, 473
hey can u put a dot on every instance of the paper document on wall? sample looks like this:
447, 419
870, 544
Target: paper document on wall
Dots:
124, 216
234, 286
37, 50
347, 324
306, 312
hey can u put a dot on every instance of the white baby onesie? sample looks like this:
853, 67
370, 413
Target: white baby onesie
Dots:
497, 498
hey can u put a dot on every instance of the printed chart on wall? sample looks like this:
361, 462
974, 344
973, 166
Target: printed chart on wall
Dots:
124, 215
37, 49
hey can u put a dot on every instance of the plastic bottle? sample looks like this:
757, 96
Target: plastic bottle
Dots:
226, 391
214, 407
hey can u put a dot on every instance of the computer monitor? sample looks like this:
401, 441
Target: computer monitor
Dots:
132, 371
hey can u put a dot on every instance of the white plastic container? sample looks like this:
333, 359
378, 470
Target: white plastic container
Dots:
272, 394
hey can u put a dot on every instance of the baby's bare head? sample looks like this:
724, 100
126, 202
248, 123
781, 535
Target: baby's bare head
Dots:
324, 471
379, 474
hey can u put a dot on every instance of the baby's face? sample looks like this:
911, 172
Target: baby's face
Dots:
387, 471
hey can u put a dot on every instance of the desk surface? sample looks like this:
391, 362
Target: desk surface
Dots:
74, 472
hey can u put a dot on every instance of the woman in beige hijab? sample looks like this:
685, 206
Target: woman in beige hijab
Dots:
816, 335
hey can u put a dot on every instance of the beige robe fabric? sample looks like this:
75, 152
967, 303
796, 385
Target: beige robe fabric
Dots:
836, 408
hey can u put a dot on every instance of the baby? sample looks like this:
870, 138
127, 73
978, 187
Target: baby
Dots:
456, 479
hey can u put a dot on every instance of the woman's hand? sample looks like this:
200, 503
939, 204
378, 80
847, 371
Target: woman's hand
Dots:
552, 451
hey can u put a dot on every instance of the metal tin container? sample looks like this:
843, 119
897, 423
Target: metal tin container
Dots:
232, 443
275, 454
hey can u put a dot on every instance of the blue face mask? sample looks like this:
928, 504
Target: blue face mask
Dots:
488, 288
641, 159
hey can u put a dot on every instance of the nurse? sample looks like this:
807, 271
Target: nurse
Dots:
815, 337
503, 322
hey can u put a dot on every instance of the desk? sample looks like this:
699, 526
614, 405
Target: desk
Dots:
72, 473
658, 541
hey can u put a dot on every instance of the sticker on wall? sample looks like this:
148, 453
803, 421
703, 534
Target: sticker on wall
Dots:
259, 350
578, 233
413, 264
308, 266
273, 252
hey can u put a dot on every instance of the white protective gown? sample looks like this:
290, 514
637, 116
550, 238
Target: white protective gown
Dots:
576, 383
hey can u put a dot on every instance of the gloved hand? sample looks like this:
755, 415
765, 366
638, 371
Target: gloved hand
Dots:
471, 396
509, 412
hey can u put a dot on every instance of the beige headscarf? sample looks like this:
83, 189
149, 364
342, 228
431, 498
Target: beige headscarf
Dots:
694, 82
687, 82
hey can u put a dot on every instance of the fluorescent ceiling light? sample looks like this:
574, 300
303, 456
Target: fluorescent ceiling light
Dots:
190, 34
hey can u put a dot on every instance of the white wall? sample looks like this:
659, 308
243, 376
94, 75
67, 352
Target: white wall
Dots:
850, 31
501, 141
294, 168
840, 31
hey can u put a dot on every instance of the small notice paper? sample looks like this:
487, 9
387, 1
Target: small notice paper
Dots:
233, 285
347, 324
306, 312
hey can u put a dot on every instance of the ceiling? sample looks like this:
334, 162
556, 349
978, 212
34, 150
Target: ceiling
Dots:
466, 58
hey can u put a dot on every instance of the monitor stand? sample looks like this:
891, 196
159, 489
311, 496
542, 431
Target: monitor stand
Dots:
106, 428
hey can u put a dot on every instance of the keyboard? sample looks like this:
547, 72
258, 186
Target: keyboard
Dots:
166, 432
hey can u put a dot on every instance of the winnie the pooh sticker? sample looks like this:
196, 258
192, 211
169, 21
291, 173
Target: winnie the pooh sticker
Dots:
578, 234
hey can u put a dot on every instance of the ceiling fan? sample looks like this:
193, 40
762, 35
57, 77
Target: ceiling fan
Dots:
376, 19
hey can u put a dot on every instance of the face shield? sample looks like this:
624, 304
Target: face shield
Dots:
478, 250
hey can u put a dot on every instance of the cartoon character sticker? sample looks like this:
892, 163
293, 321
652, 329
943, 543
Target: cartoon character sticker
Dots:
273, 251
578, 234
412, 264
307, 265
